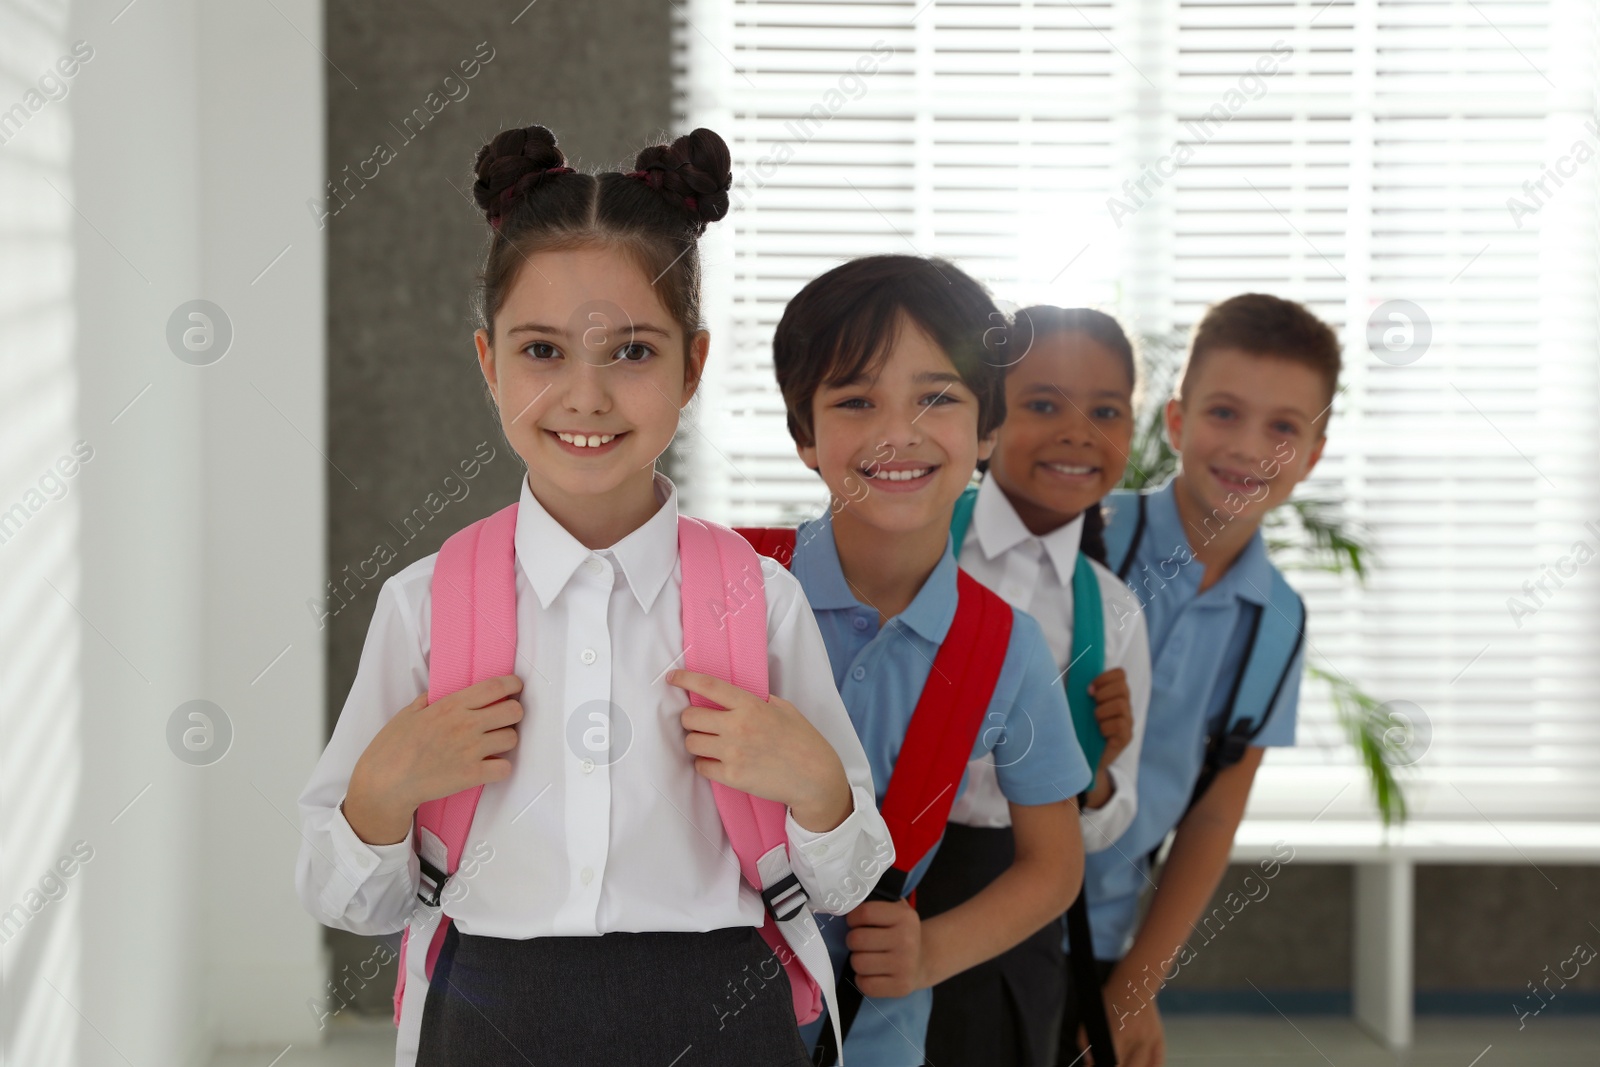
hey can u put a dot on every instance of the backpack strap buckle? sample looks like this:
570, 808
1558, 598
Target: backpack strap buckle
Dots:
1231, 747
786, 897
891, 885
432, 884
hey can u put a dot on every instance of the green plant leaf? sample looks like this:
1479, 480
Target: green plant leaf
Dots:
1366, 722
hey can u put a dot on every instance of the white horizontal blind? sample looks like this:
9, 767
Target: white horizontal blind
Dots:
1376, 170
984, 132
1344, 154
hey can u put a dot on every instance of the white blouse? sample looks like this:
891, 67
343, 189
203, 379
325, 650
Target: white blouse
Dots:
1034, 574
603, 823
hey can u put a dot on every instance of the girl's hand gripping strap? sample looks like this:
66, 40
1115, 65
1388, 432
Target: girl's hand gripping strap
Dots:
725, 635
473, 637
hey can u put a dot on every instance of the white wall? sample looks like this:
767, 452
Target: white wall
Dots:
172, 566
262, 121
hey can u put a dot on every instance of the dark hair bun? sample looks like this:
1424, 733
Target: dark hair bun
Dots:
693, 172
512, 164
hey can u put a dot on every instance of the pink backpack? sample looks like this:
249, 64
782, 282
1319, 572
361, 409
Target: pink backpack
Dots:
474, 636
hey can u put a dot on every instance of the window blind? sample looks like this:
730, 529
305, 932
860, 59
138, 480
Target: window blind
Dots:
1419, 172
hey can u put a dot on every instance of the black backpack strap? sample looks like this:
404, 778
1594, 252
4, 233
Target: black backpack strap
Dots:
891, 886
1234, 732
1239, 727
1087, 994
1126, 563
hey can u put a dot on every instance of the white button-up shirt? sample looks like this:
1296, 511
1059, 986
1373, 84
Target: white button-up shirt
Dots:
1034, 574
603, 823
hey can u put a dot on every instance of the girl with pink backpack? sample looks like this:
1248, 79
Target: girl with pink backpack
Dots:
580, 692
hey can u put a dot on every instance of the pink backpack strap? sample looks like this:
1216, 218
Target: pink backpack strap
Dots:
473, 636
725, 635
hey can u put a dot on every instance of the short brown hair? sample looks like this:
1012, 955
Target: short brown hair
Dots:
843, 325
1264, 325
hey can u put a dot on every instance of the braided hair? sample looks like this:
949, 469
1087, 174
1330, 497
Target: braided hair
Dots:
656, 213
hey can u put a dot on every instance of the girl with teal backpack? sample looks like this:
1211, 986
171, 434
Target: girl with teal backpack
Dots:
1031, 531
581, 692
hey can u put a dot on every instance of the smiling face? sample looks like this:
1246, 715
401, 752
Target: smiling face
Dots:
588, 370
1248, 429
897, 445
1068, 428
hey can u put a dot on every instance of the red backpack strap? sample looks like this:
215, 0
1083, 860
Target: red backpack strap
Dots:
945, 723
944, 727
774, 541
934, 754
473, 636
938, 743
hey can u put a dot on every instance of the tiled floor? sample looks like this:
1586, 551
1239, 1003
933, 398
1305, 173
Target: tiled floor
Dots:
1193, 1040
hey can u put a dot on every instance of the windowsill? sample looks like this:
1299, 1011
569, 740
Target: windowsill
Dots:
1300, 794
1421, 841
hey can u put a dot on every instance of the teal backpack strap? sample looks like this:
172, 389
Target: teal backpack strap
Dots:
1088, 636
1276, 633
1088, 660
962, 519
1124, 511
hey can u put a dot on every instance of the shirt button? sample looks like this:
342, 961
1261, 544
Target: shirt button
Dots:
587, 655
586, 875
859, 673
593, 565
587, 765
821, 849
860, 622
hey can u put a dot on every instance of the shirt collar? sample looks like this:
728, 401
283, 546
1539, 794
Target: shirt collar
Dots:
549, 555
1251, 573
816, 565
1250, 576
1000, 529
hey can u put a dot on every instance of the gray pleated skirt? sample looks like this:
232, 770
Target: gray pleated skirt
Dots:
657, 999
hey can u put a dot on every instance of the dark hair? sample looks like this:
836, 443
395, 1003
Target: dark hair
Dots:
1030, 324
843, 324
534, 202
1264, 325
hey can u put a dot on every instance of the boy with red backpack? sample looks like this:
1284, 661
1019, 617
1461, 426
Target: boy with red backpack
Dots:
893, 399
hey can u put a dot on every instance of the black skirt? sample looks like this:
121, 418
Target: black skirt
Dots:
663, 999
1005, 1012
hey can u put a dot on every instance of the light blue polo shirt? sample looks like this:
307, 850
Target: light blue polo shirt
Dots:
880, 673
1197, 643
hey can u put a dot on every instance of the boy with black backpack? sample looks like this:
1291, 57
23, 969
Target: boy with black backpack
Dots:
1249, 422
